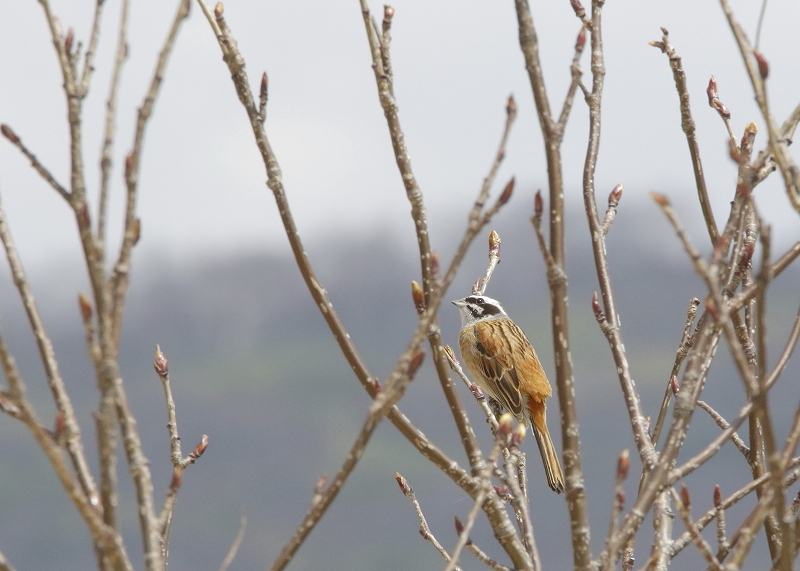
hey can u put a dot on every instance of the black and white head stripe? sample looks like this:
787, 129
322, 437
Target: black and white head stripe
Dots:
481, 306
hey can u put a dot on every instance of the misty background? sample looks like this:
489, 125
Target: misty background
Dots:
251, 361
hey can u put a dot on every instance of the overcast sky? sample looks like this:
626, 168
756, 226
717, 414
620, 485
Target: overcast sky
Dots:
202, 182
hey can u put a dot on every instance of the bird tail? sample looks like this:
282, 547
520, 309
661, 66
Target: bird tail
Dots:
552, 465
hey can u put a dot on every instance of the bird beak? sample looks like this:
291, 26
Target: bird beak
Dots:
458, 302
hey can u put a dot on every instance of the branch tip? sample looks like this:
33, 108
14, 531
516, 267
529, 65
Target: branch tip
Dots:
199, 449
580, 42
763, 65
538, 204
85, 305
459, 526
434, 265
9, 133
616, 194
511, 107
673, 384
660, 199
685, 498
218, 10
623, 463
418, 296
415, 363
717, 497
494, 237
507, 191
161, 365
404, 485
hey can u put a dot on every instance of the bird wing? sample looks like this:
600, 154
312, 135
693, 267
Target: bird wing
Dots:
495, 349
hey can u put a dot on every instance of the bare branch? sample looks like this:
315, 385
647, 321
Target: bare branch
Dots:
9, 134
687, 123
231, 555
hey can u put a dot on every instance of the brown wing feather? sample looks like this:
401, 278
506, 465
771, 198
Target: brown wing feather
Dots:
509, 364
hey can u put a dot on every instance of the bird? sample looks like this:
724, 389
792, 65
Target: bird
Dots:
503, 362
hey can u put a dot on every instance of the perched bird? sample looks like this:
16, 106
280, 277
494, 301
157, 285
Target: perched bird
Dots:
502, 361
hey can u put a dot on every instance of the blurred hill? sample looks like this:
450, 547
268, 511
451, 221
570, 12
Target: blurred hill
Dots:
253, 366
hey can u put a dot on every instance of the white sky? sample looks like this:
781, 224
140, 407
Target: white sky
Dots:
202, 182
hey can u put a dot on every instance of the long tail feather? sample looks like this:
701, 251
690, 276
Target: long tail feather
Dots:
552, 465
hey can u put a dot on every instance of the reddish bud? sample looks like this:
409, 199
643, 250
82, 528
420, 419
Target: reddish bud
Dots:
434, 265
580, 42
403, 483
9, 134
199, 449
620, 497
60, 427
136, 230
538, 204
623, 464
418, 297
511, 107
502, 492
416, 361
423, 532
68, 40
763, 66
577, 7
388, 12
687, 501
717, 497
85, 306
129, 164
505, 196
711, 90
264, 85
161, 364
598, 311
616, 194
660, 199
219, 9
376, 384
459, 526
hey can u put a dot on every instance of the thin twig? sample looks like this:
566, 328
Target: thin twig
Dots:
231, 555
132, 229
687, 123
687, 341
110, 124
681, 542
424, 528
723, 424
9, 134
697, 539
